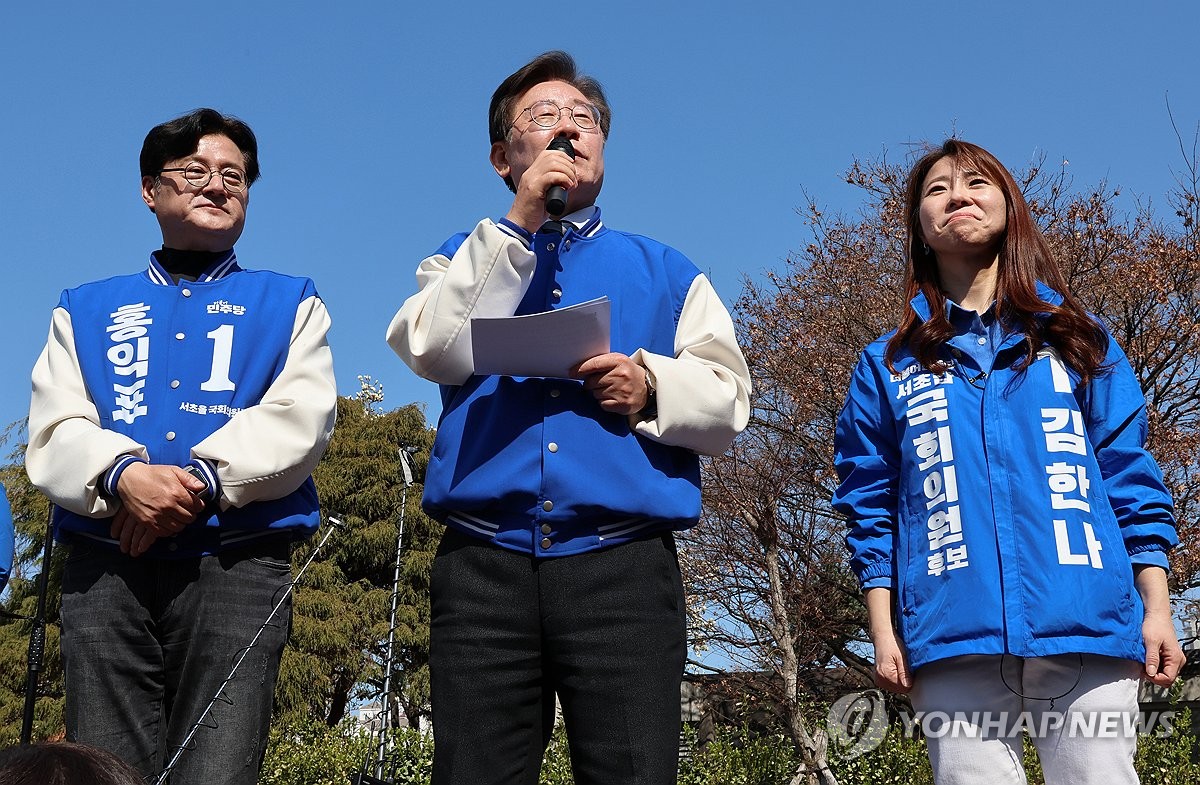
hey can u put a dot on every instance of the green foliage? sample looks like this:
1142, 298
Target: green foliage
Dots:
898, 759
1169, 759
738, 757
29, 510
556, 763
14, 646
1032, 764
410, 759
311, 753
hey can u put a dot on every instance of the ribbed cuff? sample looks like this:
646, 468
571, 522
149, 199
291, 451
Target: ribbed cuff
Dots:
108, 481
875, 576
520, 232
208, 474
877, 583
1150, 555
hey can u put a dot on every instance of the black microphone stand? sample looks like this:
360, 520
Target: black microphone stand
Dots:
385, 702
37, 636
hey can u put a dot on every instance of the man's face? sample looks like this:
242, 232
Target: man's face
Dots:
527, 140
206, 218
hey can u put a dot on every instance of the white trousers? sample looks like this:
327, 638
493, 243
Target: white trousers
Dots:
974, 724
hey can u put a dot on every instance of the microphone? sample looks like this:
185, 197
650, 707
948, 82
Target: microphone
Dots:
556, 197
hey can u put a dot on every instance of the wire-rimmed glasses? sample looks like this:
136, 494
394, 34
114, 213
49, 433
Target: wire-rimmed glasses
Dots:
547, 114
198, 175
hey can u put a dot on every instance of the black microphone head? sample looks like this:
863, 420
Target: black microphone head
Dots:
562, 144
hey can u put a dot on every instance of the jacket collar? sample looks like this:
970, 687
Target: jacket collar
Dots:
222, 267
921, 305
585, 221
1049, 295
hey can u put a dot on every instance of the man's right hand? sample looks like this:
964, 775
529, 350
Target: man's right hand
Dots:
159, 498
550, 168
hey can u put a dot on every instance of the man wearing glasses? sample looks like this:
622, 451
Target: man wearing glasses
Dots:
557, 575
177, 415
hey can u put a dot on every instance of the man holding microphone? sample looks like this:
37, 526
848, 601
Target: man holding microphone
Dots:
557, 574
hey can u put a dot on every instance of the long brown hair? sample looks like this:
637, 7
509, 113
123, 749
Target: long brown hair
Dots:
1024, 260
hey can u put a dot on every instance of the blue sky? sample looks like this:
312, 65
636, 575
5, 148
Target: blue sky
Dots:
372, 123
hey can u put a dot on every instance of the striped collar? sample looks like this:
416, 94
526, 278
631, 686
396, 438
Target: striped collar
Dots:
586, 221
222, 267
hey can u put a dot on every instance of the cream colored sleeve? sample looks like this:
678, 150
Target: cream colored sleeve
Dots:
487, 277
268, 450
68, 449
703, 391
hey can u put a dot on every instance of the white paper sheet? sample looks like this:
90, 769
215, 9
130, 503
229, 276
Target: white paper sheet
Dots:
541, 344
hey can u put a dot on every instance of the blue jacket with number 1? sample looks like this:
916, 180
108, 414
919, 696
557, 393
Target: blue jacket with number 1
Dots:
230, 373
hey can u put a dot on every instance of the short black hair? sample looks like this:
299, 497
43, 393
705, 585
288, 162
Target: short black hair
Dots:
64, 763
180, 137
552, 66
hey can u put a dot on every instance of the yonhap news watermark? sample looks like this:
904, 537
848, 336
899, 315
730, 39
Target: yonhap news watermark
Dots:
859, 722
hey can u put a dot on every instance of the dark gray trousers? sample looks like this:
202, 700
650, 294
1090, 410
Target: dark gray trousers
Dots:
147, 642
605, 631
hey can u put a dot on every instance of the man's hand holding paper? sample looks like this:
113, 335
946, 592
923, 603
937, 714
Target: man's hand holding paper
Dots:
549, 344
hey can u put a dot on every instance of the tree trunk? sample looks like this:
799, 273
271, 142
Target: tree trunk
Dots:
339, 700
814, 768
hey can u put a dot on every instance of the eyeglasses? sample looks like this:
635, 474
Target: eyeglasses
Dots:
547, 115
199, 175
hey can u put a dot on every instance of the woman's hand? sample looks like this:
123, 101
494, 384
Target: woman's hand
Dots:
891, 660
1164, 655
891, 664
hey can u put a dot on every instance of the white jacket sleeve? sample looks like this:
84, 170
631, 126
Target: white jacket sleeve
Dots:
487, 277
703, 391
68, 449
268, 450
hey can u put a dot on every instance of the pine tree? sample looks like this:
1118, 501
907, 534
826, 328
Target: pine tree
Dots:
29, 511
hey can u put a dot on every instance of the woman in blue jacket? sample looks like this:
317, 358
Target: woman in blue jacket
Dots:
6, 538
1005, 521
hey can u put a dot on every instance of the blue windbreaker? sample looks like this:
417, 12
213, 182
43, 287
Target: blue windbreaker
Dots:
6, 538
1004, 509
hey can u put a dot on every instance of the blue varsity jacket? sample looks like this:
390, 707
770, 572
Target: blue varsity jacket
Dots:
167, 365
496, 471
